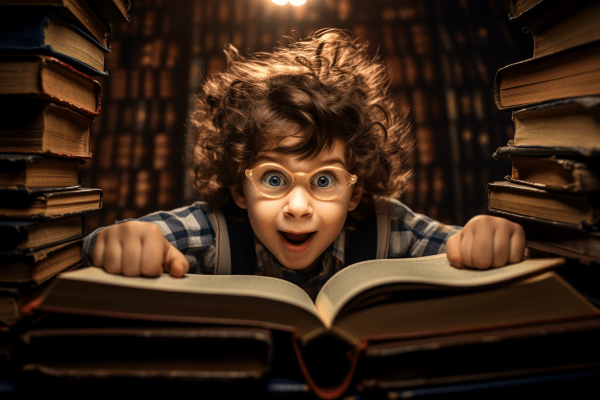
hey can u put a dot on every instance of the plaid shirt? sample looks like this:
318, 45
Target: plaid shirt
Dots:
192, 230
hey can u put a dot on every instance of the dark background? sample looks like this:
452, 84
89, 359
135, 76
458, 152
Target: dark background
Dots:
442, 55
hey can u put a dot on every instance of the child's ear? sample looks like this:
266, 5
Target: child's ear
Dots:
237, 192
357, 192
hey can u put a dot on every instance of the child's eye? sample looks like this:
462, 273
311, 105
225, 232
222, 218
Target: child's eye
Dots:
274, 179
324, 180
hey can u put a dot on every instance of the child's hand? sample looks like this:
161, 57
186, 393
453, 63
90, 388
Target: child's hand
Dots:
486, 241
136, 248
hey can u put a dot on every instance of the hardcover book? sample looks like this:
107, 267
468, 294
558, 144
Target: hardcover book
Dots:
117, 349
18, 204
569, 210
569, 73
112, 10
50, 79
555, 174
77, 11
366, 302
572, 152
585, 247
14, 300
28, 236
475, 357
46, 33
571, 122
525, 11
28, 170
41, 265
570, 24
33, 126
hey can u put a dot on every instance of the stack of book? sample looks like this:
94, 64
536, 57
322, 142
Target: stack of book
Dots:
554, 97
50, 53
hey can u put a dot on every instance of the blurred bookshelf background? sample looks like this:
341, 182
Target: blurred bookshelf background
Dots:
442, 55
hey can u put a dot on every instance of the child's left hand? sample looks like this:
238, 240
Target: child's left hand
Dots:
485, 242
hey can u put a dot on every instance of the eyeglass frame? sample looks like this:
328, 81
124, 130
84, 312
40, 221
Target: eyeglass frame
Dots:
351, 180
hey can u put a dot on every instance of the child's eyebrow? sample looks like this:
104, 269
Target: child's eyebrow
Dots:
279, 159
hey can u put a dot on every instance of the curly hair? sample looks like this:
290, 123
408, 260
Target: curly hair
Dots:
323, 88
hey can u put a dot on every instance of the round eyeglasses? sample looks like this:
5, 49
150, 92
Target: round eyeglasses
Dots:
275, 181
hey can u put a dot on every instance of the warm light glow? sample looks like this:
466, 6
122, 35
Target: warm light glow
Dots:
297, 2
280, 2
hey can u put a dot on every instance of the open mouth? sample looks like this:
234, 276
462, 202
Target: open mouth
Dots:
297, 239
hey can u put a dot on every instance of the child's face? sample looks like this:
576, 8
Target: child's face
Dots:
315, 223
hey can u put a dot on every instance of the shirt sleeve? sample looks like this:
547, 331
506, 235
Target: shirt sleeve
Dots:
416, 235
188, 229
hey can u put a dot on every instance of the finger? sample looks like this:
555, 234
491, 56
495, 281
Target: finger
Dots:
152, 256
501, 249
517, 246
453, 251
97, 256
466, 249
482, 249
130, 256
112, 255
177, 265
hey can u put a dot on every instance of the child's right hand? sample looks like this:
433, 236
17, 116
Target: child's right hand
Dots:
137, 248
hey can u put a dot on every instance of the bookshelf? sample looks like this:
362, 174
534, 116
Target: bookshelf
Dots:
138, 141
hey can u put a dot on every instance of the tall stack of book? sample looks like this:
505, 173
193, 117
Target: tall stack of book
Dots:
50, 53
554, 97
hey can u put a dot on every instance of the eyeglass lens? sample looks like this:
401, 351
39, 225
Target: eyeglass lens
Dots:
324, 184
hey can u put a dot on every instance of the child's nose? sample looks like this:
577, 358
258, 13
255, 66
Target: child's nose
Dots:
298, 203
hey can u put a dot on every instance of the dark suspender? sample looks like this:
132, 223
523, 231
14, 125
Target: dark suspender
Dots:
241, 242
362, 242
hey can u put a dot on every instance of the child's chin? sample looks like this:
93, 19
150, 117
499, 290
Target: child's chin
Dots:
302, 268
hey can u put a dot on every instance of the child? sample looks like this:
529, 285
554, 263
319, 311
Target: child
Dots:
307, 144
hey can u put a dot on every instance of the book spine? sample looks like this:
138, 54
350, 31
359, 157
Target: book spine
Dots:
331, 392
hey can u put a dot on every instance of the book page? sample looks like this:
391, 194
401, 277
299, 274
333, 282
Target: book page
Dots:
433, 270
247, 285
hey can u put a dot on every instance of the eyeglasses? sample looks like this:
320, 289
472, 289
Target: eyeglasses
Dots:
325, 183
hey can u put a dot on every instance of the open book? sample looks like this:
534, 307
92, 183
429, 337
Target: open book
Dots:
393, 294
365, 302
